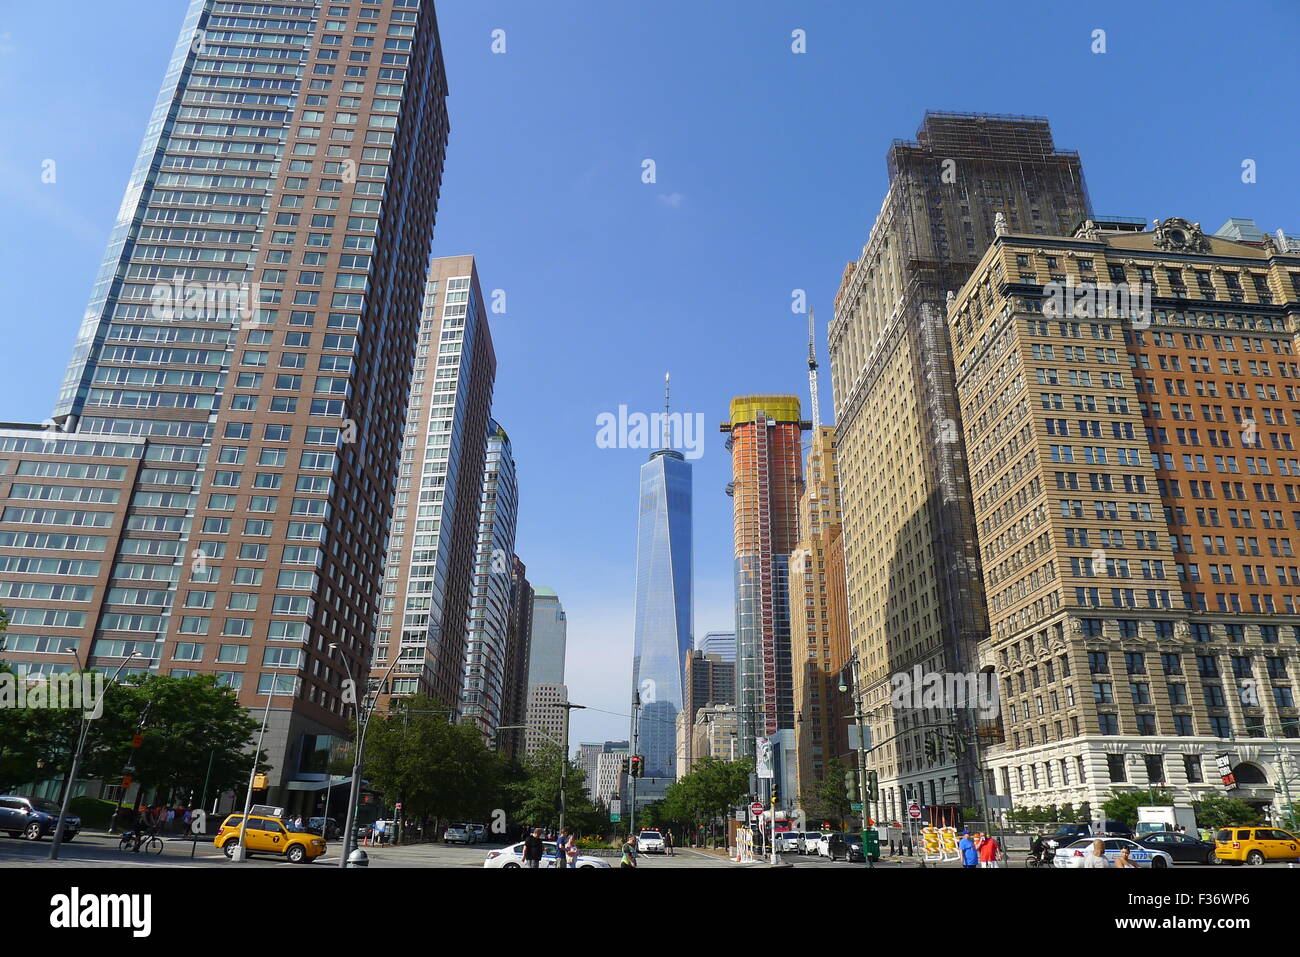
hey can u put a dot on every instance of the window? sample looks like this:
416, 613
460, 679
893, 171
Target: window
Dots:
1115, 765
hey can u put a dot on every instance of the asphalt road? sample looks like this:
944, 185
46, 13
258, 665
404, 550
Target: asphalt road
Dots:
96, 850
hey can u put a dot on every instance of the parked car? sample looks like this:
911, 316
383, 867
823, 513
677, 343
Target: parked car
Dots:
806, 843
458, 834
1255, 845
326, 827
650, 842
814, 841
1183, 848
1072, 854
1068, 833
788, 841
838, 844
512, 857
478, 832
269, 835
34, 818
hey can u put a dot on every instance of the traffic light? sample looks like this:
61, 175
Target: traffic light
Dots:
956, 742
637, 766
624, 767
931, 748
872, 786
851, 785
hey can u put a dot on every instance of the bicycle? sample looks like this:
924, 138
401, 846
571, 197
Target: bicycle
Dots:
1033, 860
152, 844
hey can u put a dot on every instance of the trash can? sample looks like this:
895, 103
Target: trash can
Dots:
871, 844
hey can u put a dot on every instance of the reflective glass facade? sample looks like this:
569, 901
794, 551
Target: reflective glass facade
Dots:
663, 605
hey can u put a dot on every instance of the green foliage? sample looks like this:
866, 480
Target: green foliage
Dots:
707, 793
186, 721
827, 800
532, 794
1123, 805
94, 812
1215, 811
434, 768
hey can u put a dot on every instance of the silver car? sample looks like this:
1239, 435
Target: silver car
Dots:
458, 834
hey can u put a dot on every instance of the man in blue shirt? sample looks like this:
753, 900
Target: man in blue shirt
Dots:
969, 855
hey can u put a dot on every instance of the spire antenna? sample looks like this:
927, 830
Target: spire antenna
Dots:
667, 380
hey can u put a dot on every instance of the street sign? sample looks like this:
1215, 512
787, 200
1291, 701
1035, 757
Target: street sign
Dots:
913, 810
856, 806
756, 808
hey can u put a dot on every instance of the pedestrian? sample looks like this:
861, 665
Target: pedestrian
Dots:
989, 852
668, 841
629, 852
1094, 858
562, 848
969, 855
1124, 860
533, 849
169, 819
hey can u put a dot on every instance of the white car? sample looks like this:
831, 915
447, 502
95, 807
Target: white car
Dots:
458, 834
650, 842
788, 841
1072, 854
814, 842
512, 857
806, 842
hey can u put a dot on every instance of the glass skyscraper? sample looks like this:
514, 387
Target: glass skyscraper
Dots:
486, 652
663, 606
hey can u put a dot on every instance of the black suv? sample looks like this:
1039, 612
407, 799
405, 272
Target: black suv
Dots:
1069, 833
34, 818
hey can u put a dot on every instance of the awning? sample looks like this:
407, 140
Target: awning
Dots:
334, 781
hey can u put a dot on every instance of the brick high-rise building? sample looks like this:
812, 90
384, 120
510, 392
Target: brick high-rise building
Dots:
434, 537
767, 481
914, 590
229, 431
1135, 474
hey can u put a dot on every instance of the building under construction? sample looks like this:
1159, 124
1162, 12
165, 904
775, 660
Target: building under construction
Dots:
914, 587
765, 441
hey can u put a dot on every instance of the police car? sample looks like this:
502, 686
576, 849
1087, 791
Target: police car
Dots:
1071, 855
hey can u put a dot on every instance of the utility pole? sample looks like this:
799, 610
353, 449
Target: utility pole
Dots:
568, 707
636, 731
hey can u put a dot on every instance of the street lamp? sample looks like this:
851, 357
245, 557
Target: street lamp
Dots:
568, 707
363, 722
239, 854
76, 757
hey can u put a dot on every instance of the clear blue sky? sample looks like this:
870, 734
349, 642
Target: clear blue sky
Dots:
770, 171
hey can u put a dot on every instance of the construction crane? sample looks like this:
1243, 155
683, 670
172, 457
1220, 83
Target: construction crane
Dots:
812, 375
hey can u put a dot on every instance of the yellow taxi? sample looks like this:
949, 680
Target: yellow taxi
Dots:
1255, 845
265, 834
